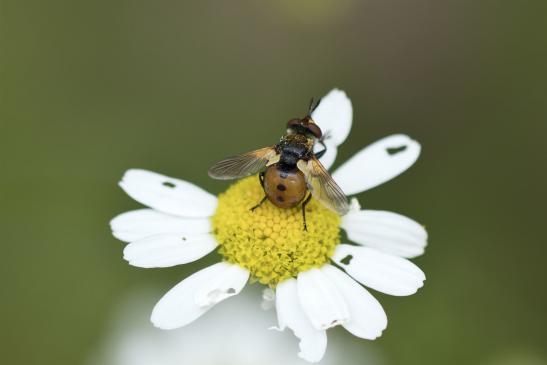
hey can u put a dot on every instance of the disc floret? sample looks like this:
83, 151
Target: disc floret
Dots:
270, 241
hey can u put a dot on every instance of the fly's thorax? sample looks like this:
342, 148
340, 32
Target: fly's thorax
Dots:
297, 138
293, 148
270, 241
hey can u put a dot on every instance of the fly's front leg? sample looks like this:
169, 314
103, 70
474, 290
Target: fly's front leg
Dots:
320, 154
261, 178
304, 211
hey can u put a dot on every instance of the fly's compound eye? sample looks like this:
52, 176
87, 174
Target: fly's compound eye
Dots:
293, 123
315, 130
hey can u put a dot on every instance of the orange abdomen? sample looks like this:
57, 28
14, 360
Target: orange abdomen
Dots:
285, 189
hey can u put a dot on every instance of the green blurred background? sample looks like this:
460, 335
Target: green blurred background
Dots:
90, 89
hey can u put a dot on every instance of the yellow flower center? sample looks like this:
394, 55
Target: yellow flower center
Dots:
271, 242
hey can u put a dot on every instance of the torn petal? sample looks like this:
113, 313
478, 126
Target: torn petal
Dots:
313, 342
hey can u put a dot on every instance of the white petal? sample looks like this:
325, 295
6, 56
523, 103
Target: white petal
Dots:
367, 317
320, 299
386, 231
386, 273
167, 250
168, 195
198, 293
377, 163
313, 343
141, 223
334, 115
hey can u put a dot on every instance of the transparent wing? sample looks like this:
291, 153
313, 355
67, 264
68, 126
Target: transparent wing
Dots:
323, 187
242, 165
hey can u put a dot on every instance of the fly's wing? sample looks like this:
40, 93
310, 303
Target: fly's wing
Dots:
323, 187
242, 165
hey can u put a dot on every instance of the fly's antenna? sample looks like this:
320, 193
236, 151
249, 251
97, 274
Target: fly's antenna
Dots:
313, 105
311, 108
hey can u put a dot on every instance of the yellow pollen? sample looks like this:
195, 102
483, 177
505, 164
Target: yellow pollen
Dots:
271, 242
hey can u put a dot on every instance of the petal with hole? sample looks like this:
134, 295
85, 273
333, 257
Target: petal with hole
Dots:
167, 194
377, 163
141, 223
168, 250
386, 273
195, 295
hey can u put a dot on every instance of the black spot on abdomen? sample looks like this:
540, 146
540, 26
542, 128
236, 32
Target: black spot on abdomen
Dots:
280, 199
281, 187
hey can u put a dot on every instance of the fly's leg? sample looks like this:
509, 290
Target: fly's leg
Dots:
304, 211
261, 178
320, 154
259, 204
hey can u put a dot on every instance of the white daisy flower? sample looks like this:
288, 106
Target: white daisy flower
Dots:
315, 276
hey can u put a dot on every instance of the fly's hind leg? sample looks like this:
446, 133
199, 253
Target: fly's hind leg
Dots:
261, 178
259, 204
304, 211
